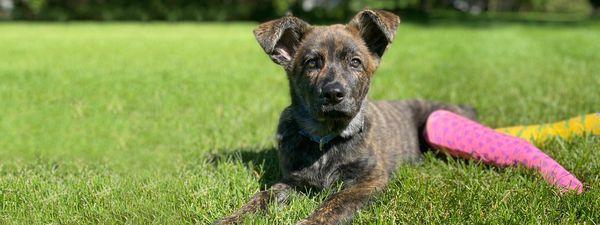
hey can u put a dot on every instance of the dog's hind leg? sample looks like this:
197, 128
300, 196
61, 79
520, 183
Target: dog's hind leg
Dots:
277, 193
422, 109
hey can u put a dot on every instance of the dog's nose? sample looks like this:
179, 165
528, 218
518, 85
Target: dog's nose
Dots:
334, 92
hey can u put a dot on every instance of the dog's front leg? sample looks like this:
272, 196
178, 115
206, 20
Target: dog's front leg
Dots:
277, 193
341, 207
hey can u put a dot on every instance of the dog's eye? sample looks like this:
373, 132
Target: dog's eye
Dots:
311, 63
355, 63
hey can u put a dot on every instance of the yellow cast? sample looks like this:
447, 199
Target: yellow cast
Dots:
566, 129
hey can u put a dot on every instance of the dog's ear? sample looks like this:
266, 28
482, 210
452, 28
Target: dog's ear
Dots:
280, 38
377, 28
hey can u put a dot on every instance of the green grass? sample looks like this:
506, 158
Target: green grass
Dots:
171, 123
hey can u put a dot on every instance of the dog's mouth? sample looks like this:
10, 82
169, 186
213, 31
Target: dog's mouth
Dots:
335, 112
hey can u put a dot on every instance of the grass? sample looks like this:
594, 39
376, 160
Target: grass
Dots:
174, 123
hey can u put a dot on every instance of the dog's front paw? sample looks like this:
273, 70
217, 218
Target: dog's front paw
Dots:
227, 221
307, 222
302, 222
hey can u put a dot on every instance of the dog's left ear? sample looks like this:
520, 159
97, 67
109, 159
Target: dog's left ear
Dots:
281, 37
377, 28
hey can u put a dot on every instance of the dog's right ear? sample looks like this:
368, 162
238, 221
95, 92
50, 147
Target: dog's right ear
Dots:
280, 38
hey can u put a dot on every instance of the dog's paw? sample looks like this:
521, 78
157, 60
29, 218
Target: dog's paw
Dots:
220, 222
307, 222
302, 222
227, 221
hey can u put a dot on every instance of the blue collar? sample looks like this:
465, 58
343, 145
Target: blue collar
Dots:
322, 140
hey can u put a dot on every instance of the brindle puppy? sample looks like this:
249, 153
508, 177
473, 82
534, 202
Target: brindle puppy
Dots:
331, 132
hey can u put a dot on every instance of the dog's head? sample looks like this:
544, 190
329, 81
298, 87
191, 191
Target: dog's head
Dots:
329, 67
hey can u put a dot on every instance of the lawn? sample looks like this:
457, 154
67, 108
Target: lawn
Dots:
174, 123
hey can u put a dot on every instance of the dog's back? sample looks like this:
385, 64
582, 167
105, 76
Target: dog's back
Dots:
397, 127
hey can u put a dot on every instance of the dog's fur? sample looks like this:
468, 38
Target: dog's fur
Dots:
369, 139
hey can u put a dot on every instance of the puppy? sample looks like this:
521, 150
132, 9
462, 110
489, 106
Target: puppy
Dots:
332, 132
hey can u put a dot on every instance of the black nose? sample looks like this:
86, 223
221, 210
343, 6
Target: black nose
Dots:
334, 92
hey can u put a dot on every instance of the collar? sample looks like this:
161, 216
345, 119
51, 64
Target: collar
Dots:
322, 140
355, 126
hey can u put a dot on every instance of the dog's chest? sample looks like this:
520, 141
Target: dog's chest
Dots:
309, 166
321, 172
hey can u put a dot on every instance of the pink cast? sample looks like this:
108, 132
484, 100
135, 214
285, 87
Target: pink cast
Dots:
464, 138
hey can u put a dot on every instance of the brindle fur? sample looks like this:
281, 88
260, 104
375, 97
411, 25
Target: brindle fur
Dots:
372, 138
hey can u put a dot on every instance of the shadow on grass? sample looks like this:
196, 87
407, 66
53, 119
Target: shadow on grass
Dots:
262, 160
